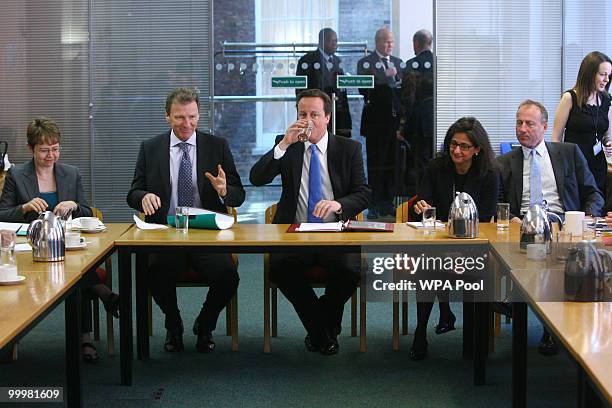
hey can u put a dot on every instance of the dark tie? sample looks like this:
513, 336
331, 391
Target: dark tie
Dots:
535, 179
185, 185
315, 188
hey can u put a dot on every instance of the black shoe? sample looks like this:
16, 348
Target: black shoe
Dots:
205, 343
418, 351
92, 358
330, 347
174, 339
547, 346
310, 346
445, 327
504, 308
111, 304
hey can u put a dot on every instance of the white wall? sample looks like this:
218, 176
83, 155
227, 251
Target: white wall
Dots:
407, 17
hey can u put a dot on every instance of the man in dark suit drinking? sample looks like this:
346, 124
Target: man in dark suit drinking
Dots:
323, 181
186, 167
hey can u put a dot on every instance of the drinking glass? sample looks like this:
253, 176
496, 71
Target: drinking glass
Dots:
304, 134
503, 216
588, 230
429, 218
181, 219
7, 247
561, 245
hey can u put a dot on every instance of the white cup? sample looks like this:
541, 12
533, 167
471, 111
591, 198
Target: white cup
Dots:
73, 239
89, 223
573, 222
536, 252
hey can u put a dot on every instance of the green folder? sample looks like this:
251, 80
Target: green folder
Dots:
205, 219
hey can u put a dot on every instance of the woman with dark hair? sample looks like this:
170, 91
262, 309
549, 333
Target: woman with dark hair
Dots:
465, 164
584, 114
43, 184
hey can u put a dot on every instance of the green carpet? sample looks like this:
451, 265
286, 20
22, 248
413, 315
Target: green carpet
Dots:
290, 376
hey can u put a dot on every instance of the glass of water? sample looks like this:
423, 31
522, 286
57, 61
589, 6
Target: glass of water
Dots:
304, 134
181, 219
503, 216
429, 218
588, 230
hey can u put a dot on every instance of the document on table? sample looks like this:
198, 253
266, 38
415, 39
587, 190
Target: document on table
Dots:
419, 225
148, 226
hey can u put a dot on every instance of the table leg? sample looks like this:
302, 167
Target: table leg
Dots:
72, 311
519, 354
125, 323
587, 398
481, 344
142, 315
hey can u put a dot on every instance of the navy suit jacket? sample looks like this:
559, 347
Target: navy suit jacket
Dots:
152, 174
575, 183
382, 101
21, 186
345, 166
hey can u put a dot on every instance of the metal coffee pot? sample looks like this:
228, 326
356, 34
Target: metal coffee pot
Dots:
536, 228
46, 236
463, 217
588, 272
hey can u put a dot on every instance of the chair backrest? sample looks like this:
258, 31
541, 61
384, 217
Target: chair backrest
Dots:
402, 213
97, 213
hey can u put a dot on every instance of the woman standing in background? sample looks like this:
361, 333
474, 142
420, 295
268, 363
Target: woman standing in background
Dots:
584, 114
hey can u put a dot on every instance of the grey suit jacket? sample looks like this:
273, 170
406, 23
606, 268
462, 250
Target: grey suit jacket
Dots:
21, 186
575, 183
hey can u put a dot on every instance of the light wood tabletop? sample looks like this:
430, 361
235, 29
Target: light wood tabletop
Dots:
258, 235
46, 282
584, 328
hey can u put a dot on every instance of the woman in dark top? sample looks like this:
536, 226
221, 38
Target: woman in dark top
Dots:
42, 184
584, 114
465, 164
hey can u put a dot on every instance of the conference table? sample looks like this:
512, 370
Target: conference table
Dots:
256, 238
585, 339
48, 284
583, 328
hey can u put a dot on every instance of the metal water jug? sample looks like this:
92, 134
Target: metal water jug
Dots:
463, 217
46, 236
536, 229
588, 271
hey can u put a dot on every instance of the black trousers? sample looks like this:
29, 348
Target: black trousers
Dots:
319, 315
381, 152
87, 296
217, 270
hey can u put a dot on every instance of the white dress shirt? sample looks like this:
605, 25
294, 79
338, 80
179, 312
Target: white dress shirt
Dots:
328, 194
176, 155
549, 185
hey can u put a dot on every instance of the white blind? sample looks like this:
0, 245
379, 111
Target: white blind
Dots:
492, 54
44, 71
586, 28
141, 49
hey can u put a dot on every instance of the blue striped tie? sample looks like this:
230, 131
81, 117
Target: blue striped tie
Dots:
315, 188
535, 180
185, 184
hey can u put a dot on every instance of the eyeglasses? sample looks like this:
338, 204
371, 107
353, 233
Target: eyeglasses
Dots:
463, 146
45, 151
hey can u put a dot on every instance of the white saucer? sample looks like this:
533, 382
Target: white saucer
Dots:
93, 230
13, 282
75, 247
